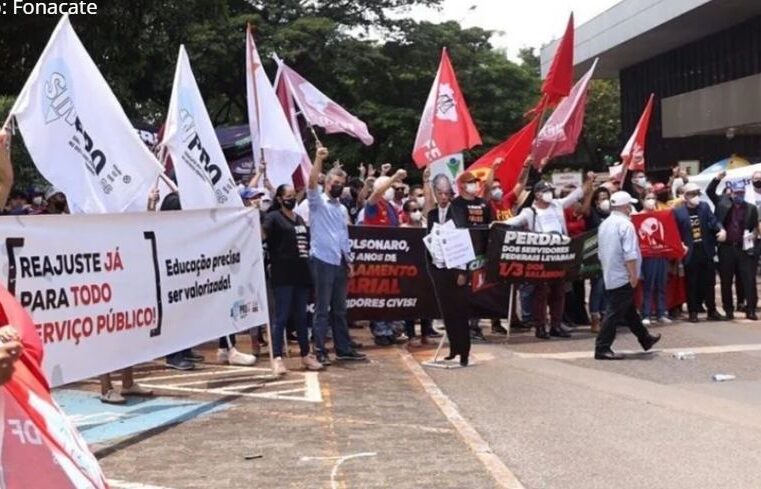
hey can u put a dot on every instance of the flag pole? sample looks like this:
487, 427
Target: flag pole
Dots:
250, 38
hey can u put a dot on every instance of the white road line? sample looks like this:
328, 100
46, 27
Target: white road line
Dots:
498, 470
117, 484
313, 391
339, 461
698, 350
216, 379
228, 370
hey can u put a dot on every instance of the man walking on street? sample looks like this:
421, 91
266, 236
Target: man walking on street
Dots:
330, 260
621, 260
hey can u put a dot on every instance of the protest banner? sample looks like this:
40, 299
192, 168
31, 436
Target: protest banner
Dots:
658, 234
128, 288
590, 262
522, 256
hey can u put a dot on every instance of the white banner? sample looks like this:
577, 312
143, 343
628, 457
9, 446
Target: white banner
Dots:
743, 175
77, 133
128, 288
203, 176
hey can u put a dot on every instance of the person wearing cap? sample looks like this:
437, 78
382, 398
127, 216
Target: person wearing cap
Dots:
476, 213
547, 215
700, 230
736, 252
621, 260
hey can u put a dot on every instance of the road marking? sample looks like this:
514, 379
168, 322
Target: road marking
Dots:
117, 484
699, 350
337, 465
498, 470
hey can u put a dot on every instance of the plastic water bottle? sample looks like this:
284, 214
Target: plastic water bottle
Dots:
684, 355
723, 377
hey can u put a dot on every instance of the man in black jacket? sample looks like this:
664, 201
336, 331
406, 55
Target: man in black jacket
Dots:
740, 220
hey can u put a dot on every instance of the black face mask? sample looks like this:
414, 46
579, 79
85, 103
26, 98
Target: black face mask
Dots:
289, 204
757, 183
354, 193
336, 190
399, 194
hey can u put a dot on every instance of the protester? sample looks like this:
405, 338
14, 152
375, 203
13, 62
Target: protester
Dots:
10, 350
575, 217
476, 213
547, 215
621, 259
598, 212
56, 202
451, 285
288, 245
654, 278
330, 261
502, 203
18, 204
736, 252
635, 183
703, 229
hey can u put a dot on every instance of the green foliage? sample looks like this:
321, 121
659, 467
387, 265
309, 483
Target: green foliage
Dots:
602, 123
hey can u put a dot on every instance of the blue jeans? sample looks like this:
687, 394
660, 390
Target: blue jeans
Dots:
290, 301
597, 300
527, 302
330, 284
654, 278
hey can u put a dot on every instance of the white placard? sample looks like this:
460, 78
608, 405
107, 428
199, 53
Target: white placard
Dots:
128, 288
457, 247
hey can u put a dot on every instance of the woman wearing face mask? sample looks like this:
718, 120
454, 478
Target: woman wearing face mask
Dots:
598, 212
288, 244
654, 278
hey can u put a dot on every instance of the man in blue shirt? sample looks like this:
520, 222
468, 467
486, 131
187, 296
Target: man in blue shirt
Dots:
330, 260
621, 260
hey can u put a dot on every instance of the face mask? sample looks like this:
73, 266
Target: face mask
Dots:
399, 194
547, 197
650, 204
738, 199
336, 190
640, 181
497, 194
289, 204
471, 188
388, 196
604, 206
416, 216
420, 201
694, 201
757, 184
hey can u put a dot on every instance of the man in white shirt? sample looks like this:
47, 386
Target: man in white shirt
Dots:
547, 215
620, 257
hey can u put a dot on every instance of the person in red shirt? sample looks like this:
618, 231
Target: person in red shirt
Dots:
502, 203
379, 210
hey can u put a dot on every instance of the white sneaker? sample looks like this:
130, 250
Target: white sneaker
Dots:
234, 357
664, 320
223, 355
310, 362
645, 322
278, 367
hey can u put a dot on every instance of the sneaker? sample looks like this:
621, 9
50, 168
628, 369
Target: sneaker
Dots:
112, 397
646, 322
356, 345
136, 390
278, 367
194, 356
181, 364
403, 338
383, 341
664, 320
350, 356
477, 337
310, 362
235, 357
497, 328
324, 359
223, 355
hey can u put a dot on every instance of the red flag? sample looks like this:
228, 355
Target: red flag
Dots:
559, 79
658, 234
514, 151
561, 132
633, 154
446, 126
285, 97
39, 447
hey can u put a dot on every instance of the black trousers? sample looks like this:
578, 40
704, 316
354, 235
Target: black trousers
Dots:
733, 260
621, 311
700, 275
454, 305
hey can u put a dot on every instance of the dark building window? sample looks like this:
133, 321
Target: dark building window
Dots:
725, 56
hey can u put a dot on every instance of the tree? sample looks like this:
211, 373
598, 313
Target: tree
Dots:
602, 124
530, 61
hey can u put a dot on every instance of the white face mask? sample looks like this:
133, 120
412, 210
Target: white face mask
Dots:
388, 196
694, 201
416, 216
420, 202
649, 204
497, 194
548, 197
604, 205
640, 181
471, 188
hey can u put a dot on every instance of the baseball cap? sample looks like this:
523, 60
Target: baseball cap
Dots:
468, 177
738, 186
621, 198
690, 187
542, 186
249, 193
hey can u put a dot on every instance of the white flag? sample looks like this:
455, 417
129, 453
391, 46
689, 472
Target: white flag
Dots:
270, 132
203, 176
77, 133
